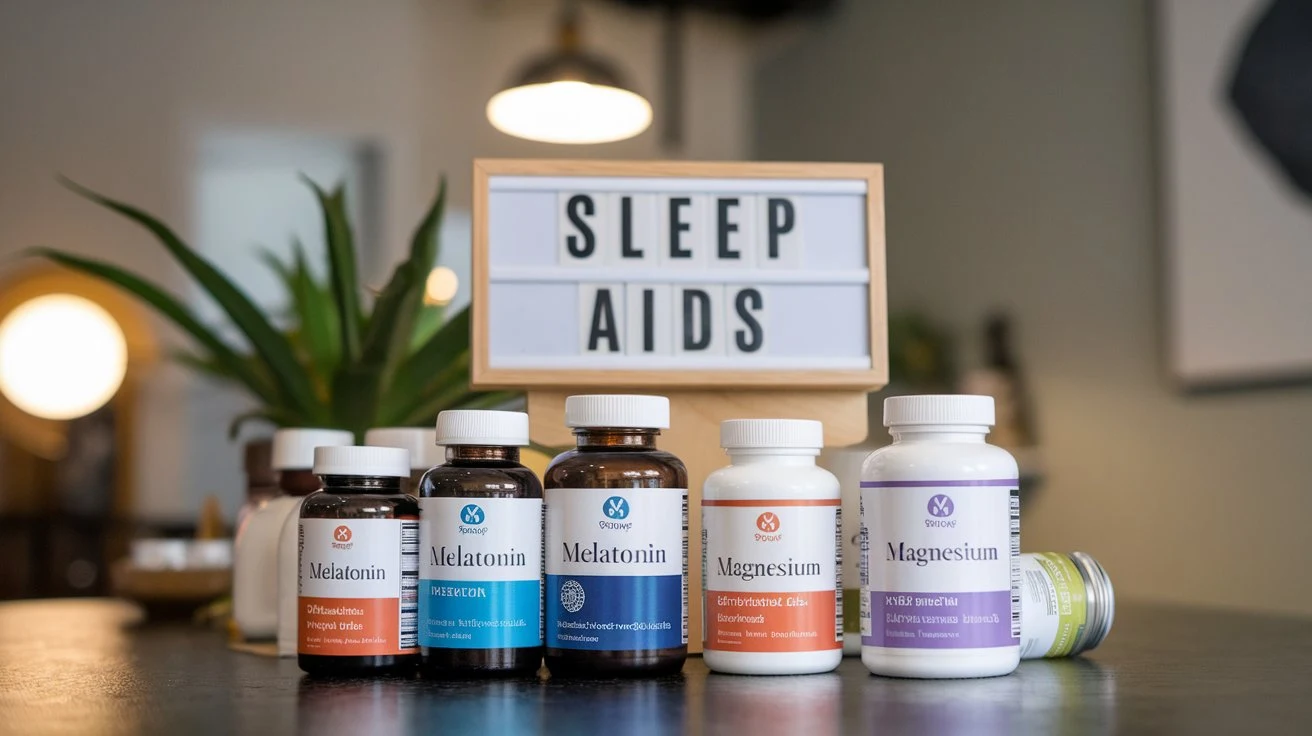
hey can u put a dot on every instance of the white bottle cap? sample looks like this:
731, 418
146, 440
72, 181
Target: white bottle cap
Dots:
391, 462
420, 441
942, 409
618, 410
482, 427
746, 434
293, 449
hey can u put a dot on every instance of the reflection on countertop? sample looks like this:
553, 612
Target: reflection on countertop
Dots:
91, 666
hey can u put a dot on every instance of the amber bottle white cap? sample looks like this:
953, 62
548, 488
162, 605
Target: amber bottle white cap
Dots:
293, 449
421, 442
618, 410
482, 427
360, 460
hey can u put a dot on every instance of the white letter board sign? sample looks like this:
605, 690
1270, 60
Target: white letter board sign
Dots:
678, 274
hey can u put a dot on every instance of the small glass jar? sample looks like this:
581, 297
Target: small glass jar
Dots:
1066, 604
616, 543
357, 611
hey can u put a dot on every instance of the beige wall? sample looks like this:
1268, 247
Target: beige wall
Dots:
1018, 137
118, 95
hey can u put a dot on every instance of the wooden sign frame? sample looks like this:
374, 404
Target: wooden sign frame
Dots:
484, 376
699, 399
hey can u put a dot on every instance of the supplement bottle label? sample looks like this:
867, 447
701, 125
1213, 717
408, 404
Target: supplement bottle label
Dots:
772, 575
1053, 605
357, 589
617, 568
480, 573
941, 564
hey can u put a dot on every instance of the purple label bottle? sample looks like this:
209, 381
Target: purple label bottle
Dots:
940, 520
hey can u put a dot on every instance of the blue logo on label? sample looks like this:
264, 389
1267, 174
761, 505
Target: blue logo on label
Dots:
472, 514
941, 506
616, 508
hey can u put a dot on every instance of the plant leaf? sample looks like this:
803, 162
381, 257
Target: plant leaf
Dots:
459, 398
342, 270
225, 360
430, 319
447, 380
271, 345
313, 306
390, 328
415, 375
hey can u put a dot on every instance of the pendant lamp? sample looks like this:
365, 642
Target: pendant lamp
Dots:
569, 96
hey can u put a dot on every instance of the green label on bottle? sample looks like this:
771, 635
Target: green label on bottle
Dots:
851, 610
1071, 599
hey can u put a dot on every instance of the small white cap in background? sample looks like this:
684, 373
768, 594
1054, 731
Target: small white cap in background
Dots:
938, 409
747, 434
618, 410
293, 449
482, 427
421, 442
392, 462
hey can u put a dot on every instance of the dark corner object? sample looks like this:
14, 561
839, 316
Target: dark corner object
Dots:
1271, 87
750, 10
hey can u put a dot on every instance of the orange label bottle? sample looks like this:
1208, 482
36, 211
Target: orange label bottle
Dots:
771, 569
358, 556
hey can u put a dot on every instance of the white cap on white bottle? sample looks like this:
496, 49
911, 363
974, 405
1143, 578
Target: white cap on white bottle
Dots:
961, 409
293, 449
618, 410
482, 427
392, 462
421, 442
766, 434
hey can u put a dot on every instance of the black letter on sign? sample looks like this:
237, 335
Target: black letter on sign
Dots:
626, 229
589, 240
678, 226
750, 339
603, 323
726, 227
781, 221
648, 320
703, 308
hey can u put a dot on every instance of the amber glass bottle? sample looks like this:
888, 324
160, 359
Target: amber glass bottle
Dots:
616, 543
480, 592
359, 563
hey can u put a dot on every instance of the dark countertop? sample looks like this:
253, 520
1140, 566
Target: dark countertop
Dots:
82, 667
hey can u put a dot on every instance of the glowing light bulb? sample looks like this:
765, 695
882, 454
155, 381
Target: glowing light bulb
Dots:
569, 112
61, 356
441, 286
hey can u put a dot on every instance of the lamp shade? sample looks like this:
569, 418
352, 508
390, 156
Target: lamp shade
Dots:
569, 97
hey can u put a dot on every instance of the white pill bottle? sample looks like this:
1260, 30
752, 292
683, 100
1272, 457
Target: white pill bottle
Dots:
771, 573
940, 516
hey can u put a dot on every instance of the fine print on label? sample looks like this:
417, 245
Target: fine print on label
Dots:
357, 587
772, 576
1055, 605
939, 559
616, 568
480, 573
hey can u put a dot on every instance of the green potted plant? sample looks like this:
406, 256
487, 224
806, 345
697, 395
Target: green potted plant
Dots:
337, 359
